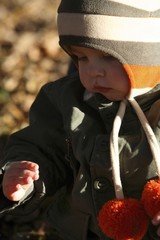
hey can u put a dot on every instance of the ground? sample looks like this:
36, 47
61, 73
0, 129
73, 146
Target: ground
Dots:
29, 57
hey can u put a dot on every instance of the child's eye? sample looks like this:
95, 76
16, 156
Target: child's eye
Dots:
81, 58
108, 56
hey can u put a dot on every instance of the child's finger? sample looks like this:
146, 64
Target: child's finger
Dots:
28, 165
18, 166
15, 184
22, 173
17, 195
15, 192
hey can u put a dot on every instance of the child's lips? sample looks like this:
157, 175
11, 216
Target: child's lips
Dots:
101, 89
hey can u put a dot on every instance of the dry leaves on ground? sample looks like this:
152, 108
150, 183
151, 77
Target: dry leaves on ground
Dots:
29, 57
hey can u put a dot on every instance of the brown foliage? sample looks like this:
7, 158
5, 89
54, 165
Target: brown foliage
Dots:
29, 57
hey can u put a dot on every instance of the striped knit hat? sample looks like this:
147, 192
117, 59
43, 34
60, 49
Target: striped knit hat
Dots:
129, 30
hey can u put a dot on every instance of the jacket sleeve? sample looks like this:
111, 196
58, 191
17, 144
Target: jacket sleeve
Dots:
43, 142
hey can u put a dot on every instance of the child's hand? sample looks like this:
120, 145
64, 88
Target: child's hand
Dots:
18, 177
156, 222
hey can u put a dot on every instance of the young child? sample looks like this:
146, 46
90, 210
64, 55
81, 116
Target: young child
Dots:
93, 136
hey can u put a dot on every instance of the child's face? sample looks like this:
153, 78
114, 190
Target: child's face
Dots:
101, 73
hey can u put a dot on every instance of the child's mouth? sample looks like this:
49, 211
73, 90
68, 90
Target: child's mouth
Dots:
101, 89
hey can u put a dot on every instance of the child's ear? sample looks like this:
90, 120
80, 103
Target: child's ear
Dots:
153, 114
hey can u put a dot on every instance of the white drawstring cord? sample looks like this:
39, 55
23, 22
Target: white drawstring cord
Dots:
152, 140
114, 152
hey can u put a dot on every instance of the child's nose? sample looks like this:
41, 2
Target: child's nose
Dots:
96, 70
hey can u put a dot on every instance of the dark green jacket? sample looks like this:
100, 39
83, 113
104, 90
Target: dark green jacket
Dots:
69, 139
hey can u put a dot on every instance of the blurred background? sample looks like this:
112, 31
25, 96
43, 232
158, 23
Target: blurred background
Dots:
29, 57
